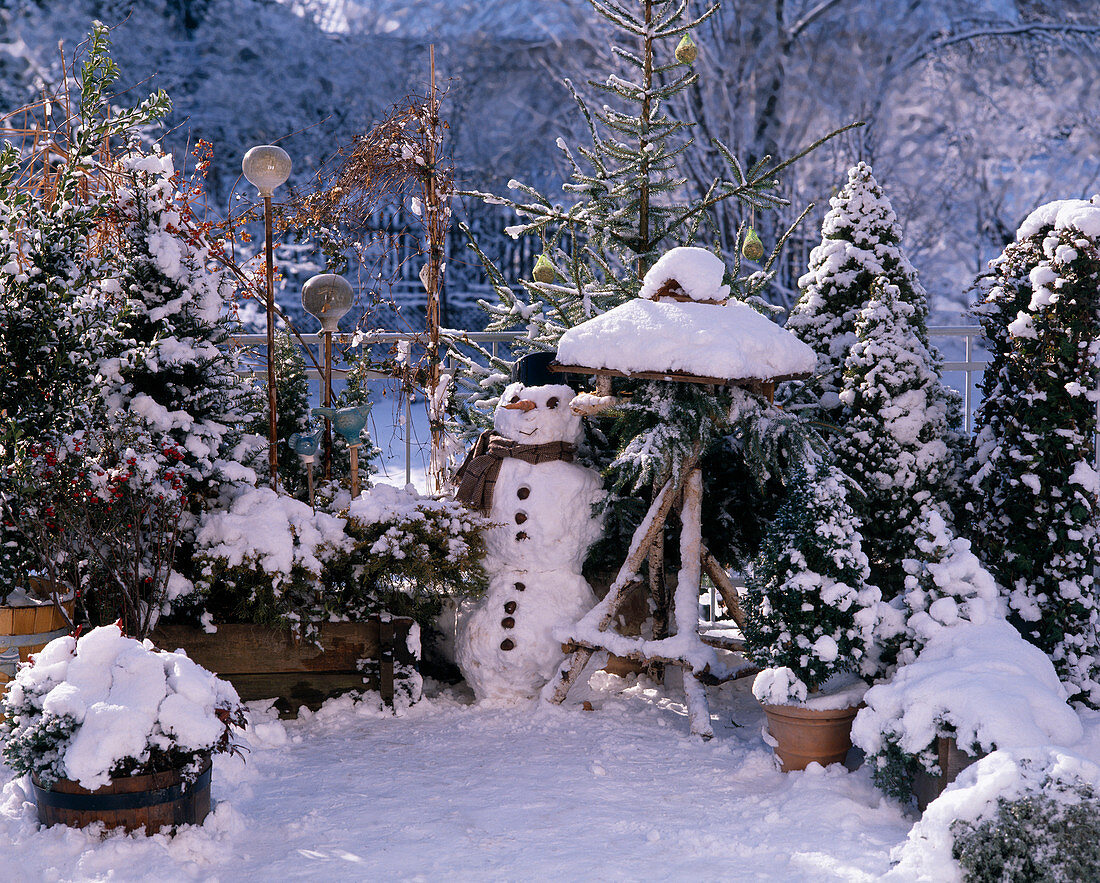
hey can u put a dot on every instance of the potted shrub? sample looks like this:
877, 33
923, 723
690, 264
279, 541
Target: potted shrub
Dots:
299, 604
810, 619
113, 730
967, 682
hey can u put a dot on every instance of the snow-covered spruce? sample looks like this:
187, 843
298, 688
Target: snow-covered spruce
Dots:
898, 421
542, 526
104, 706
861, 242
171, 367
1035, 494
810, 612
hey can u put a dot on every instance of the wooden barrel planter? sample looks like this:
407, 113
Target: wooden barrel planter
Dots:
262, 662
31, 624
154, 802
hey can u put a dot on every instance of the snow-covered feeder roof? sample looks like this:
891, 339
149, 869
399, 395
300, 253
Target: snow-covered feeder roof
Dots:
685, 341
696, 275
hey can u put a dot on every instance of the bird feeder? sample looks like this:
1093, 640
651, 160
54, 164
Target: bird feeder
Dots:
328, 297
681, 329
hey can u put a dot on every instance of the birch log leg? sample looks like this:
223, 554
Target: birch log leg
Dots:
686, 602
725, 585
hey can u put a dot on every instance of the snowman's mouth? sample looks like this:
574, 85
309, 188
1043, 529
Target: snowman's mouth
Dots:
531, 432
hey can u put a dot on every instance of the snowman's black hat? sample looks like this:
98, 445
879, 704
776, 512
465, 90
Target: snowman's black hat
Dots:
533, 369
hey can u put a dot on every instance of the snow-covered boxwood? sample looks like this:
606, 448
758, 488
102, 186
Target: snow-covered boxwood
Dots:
105, 706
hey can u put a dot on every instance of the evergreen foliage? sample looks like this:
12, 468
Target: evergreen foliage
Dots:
810, 613
1050, 835
860, 243
293, 414
1035, 501
171, 365
898, 418
52, 313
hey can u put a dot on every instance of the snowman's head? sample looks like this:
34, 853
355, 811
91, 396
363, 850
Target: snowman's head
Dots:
535, 415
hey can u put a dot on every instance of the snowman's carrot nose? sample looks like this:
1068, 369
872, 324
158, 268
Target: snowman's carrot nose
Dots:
521, 405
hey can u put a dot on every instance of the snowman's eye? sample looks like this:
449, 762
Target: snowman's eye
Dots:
513, 400
552, 402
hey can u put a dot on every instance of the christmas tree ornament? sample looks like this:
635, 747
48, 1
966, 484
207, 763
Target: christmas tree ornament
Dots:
544, 271
752, 249
686, 50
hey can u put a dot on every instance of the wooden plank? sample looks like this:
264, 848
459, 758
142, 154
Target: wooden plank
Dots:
295, 689
725, 587
242, 648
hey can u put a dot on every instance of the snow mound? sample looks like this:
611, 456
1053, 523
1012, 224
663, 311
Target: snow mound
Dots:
732, 342
697, 273
983, 679
973, 797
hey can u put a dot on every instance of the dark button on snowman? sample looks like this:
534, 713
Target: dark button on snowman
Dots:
522, 476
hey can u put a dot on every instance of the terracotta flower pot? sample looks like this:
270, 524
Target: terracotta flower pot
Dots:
807, 735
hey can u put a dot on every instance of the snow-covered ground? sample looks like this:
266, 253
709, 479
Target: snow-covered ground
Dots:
458, 791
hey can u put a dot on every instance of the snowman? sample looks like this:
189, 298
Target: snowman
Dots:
522, 475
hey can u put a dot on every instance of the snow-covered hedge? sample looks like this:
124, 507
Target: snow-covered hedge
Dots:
1021, 815
271, 559
105, 706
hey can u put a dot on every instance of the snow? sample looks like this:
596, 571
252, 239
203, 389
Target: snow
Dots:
459, 791
697, 272
984, 681
125, 698
1061, 214
732, 342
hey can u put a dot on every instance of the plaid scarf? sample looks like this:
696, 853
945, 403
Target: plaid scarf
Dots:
477, 476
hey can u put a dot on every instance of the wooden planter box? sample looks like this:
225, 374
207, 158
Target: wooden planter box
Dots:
262, 662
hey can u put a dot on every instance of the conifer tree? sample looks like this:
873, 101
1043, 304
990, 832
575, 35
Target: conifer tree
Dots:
860, 242
810, 612
1035, 502
292, 393
897, 424
171, 365
627, 203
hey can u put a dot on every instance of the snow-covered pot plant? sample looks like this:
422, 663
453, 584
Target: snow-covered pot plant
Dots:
965, 674
91, 712
811, 619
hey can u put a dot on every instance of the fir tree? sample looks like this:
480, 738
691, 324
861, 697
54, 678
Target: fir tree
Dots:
1035, 492
292, 394
172, 367
627, 201
810, 612
861, 242
897, 422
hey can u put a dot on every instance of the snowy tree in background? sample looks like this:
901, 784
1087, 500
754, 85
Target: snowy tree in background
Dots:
861, 242
172, 368
52, 315
1035, 492
810, 613
898, 421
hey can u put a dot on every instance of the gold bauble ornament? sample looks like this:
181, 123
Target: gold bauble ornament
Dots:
752, 249
544, 270
686, 50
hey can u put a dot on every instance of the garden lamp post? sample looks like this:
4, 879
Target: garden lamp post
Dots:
328, 297
266, 167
